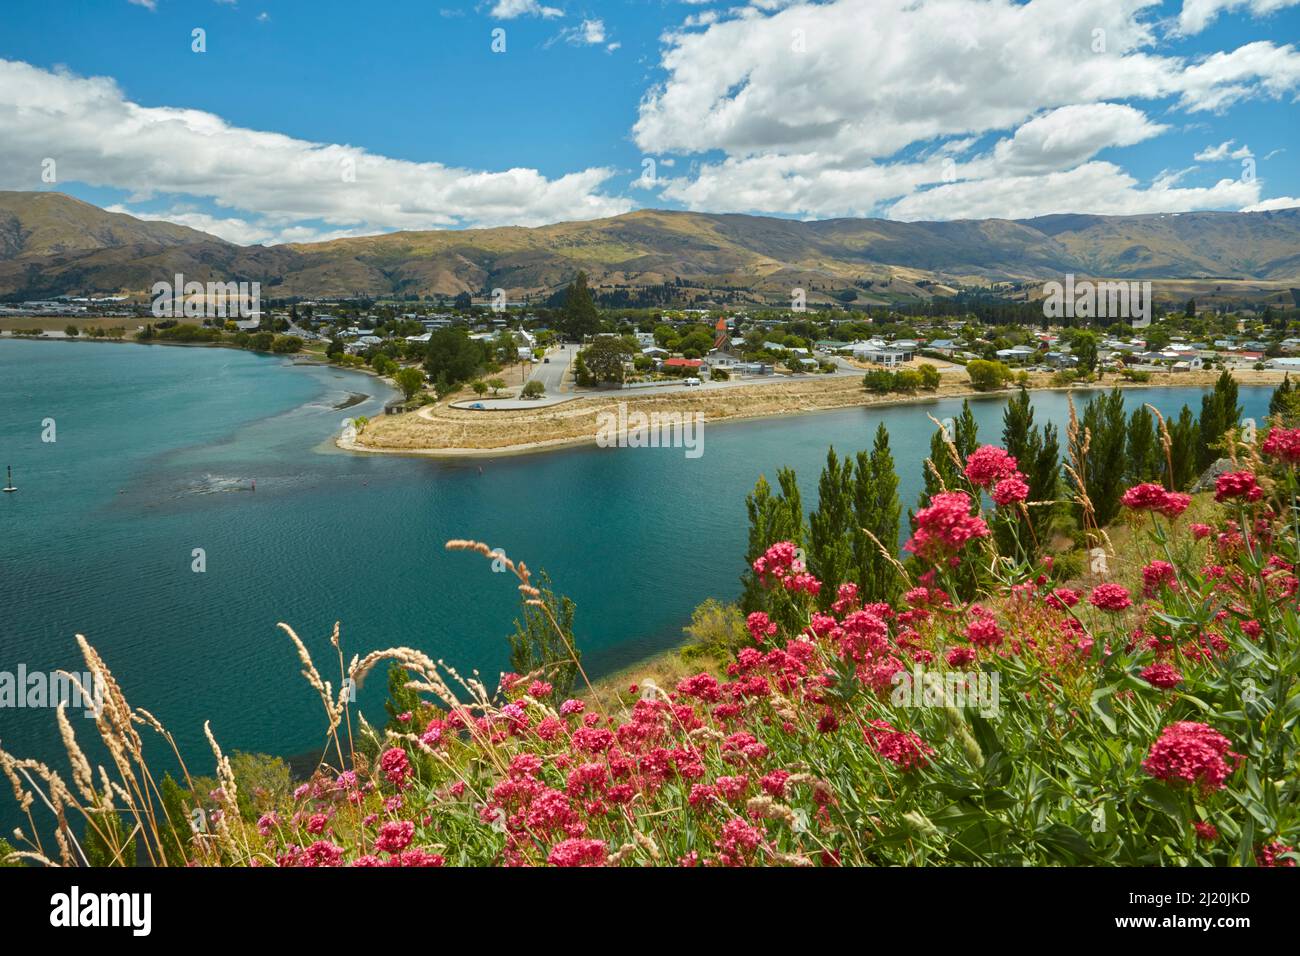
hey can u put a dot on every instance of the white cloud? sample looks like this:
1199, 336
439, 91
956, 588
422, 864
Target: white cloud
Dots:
589, 33
1279, 202
147, 4
1196, 15
1109, 191
1070, 135
510, 9
270, 181
813, 105
1224, 150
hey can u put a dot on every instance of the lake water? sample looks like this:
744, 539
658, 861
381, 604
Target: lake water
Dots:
156, 454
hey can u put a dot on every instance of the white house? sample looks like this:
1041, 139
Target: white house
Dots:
879, 353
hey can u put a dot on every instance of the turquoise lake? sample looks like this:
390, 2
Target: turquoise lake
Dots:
158, 448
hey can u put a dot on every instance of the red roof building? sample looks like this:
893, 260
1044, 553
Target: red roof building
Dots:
682, 363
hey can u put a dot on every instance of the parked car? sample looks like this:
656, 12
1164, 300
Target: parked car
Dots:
692, 381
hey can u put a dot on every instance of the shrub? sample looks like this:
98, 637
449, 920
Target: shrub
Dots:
986, 376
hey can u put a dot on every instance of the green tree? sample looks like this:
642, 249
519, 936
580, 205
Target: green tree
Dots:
1184, 442
174, 825
604, 359
453, 357
533, 389
986, 376
1285, 403
6, 849
263, 781
876, 509
410, 380
1104, 465
1083, 345
496, 384
105, 841
401, 699
878, 381
1219, 412
537, 645
1143, 457
830, 534
1037, 453
772, 518
480, 387
716, 631
578, 317
72, 331
929, 376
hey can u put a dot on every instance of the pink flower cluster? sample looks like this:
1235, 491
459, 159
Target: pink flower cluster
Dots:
1190, 753
946, 526
1283, 444
988, 465
1110, 597
1152, 497
1237, 484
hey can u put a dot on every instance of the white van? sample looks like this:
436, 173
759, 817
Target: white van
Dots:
692, 381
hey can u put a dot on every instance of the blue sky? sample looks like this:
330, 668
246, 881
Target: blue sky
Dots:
302, 121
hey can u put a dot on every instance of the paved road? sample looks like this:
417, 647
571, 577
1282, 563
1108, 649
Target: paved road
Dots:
552, 374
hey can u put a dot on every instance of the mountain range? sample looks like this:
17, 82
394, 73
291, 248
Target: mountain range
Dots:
52, 244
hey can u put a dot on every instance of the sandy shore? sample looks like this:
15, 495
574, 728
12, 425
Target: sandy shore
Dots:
446, 432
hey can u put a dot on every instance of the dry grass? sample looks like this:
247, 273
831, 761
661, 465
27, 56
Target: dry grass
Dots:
443, 430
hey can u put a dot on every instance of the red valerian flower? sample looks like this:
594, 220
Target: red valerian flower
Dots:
946, 526
779, 560
577, 852
1283, 443
395, 836
1156, 575
1011, 490
738, 842
1206, 831
395, 766
1145, 497
988, 465
984, 632
1061, 598
1190, 753
1163, 676
1267, 855
1110, 597
904, 749
959, 656
1153, 497
761, 627
1237, 484
1200, 531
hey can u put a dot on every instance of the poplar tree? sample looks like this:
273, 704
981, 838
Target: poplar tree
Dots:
830, 528
1219, 412
1143, 458
1184, 441
772, 518
1037, 453
876, 509
1104, 470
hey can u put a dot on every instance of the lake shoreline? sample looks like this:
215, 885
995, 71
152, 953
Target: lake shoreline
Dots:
1244, 377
